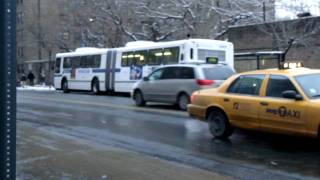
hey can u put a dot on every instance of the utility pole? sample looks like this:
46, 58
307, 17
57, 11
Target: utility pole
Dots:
7, 89
39, 29
50, 77
264, 11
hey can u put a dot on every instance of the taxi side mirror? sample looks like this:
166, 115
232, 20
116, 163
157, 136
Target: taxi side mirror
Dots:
290, 94
145, 79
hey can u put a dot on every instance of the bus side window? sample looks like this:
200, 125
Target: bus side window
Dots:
90, 61
171, 55
124, 59
57, 66
85, 61
96, 61
75, 62
155, 56
141, 57
66, 63
131, 59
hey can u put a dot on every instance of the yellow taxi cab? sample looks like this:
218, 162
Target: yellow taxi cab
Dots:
284, 100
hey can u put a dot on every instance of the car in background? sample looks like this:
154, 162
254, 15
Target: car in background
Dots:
175, 83
285, 100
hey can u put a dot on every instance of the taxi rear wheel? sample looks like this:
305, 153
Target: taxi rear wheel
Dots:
219, 125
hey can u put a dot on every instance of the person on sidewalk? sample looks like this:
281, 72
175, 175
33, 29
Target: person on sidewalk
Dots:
31, 78
23, 79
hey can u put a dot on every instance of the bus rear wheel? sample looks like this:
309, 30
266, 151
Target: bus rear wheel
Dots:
95, 88
65, 88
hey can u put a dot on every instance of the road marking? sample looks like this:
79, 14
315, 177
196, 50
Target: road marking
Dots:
111, 106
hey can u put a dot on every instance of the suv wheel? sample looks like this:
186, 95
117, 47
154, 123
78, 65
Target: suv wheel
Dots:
183, 101
219, 125
65, 88
138, 98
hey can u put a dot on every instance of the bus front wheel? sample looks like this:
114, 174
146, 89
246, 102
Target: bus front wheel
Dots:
65, 86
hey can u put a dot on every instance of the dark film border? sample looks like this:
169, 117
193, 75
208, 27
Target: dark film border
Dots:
8, 89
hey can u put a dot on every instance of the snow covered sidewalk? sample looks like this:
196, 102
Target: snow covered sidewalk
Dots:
36, 88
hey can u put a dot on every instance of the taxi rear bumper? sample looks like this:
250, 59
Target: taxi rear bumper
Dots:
197, 112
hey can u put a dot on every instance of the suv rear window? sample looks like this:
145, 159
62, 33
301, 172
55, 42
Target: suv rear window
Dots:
186, 73
178, 73
217, 73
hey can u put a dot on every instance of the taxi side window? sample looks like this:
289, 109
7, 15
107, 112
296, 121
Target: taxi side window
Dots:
278, 84
247, 84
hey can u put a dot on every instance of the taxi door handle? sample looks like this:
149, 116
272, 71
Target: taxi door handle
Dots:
226, 99
264, 103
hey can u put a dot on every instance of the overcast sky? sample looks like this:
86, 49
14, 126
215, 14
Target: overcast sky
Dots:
288, 9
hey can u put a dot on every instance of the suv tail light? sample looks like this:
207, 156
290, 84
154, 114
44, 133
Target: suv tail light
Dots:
205, 82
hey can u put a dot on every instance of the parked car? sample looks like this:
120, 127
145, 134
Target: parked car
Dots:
175, 83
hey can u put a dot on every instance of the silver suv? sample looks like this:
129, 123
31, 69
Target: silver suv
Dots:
175, 83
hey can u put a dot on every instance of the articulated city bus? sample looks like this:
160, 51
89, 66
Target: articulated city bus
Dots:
118, 69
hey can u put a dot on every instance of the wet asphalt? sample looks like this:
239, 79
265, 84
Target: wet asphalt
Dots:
163, 131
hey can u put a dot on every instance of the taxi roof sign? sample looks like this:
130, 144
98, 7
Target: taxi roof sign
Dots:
291, 65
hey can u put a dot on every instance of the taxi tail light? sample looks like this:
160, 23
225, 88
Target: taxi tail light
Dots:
205, 82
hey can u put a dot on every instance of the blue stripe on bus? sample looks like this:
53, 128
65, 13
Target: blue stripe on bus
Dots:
66, 71
104, 70
96, 70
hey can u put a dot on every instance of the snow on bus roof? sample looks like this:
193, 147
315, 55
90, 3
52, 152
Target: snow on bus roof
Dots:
151, 44
83, 51
87, 49
140, 45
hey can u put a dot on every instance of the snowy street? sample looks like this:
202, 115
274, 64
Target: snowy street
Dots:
81, 136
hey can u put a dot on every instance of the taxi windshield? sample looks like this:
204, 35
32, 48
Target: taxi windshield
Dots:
310, 84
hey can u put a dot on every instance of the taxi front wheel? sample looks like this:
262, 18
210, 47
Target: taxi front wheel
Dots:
219, 125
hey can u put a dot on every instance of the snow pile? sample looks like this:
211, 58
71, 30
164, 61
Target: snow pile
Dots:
36, 88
